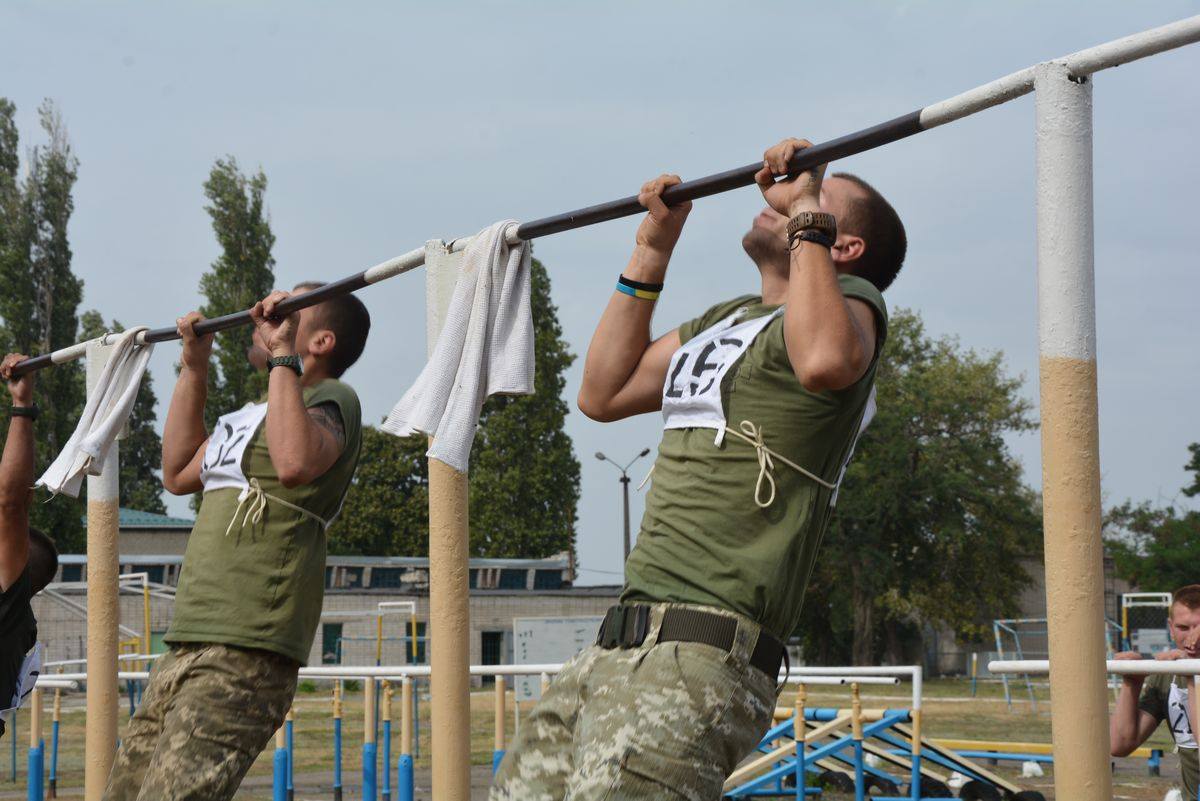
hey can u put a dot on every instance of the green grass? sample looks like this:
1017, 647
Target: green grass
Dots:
950, 712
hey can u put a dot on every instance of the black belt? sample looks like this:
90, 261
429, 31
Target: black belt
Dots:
627, 626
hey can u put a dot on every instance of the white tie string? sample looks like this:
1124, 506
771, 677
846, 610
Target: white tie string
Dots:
753, 435
257, 504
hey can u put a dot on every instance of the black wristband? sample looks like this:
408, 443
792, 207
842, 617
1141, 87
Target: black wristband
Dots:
629, 282
31, 412
810, 235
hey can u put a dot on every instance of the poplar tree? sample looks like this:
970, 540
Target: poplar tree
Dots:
240, 277
41, 293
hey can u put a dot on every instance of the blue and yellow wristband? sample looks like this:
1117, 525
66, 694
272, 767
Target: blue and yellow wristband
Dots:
637, 289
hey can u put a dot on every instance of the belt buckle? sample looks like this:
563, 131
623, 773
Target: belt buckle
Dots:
609, 635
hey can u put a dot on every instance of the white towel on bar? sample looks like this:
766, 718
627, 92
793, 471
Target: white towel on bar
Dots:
485, 348
107, 408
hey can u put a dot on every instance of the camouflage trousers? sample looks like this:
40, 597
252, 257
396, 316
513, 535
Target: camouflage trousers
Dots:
206, 715
664, 720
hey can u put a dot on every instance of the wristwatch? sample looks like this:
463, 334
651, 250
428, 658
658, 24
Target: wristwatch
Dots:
826, 223
293, 361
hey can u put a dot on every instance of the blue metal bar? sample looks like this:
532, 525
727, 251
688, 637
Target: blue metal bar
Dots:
35, 769
497, 758
54, 759
279, 784
368, 771
860, 790
932, 756
290, 728
386, 793
337, 759
404, 778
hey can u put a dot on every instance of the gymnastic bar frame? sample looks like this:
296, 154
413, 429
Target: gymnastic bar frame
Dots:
1069, 410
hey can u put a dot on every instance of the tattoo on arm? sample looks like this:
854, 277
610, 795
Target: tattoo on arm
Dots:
329, 417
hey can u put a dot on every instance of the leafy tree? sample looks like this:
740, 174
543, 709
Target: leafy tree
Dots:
41, 294
241, 276
932, 517
387, 508
141, 451
524, 474
1156, 548
1194, 466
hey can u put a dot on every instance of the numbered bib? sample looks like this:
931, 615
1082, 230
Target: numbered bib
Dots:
222, 465
692, 392
1177, 717
27, 678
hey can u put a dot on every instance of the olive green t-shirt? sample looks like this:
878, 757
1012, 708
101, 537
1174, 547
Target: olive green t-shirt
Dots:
703, 539
261, 585
1164, 698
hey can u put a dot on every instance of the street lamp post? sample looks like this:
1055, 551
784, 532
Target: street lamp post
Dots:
624, 487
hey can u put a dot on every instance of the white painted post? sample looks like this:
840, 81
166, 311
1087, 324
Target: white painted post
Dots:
103, 613
449, 612
1070, 438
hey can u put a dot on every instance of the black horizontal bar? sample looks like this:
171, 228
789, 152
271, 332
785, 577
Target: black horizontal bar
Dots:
834, 149
857, 142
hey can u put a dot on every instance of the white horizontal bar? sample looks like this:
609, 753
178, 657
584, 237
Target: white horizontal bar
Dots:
1084, 62
54, 683
1134, 46
1131, 667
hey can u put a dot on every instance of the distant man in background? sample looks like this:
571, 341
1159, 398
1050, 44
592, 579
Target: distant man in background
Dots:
1147, 701
273, 474
28, 558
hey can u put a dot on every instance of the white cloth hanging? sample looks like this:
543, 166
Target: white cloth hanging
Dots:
485, 348
107, 408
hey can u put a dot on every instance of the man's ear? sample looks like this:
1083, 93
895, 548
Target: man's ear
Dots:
848, 248
322, 342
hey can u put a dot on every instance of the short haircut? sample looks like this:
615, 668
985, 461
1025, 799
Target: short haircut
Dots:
874, 219
43, 560
1189, 596
350, 322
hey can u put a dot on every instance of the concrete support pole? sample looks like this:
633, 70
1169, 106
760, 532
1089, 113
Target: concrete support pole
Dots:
1070, 438
449, 613
103, 613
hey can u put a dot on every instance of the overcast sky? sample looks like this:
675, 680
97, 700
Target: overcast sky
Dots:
382, 125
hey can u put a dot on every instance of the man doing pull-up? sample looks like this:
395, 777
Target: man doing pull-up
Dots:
763, 398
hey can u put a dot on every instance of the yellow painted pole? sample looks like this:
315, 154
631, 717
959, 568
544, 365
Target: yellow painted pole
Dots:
856, 712
406, 707
449, 610
368, 710
146, 620
500, 714
103, 608
387, 701
35, 717
281, 738
545, 683
1071, 502
337, 699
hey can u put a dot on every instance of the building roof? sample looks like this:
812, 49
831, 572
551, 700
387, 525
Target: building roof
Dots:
134, 518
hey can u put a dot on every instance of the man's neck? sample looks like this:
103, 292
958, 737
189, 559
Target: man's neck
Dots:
314, 372
774, 283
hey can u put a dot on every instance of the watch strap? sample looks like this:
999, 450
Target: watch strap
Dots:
31, 412
818, 220
293, 362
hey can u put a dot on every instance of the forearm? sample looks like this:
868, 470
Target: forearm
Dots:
16, 466
294, 442
1123, 725
184, 432
623, 333
824, 343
